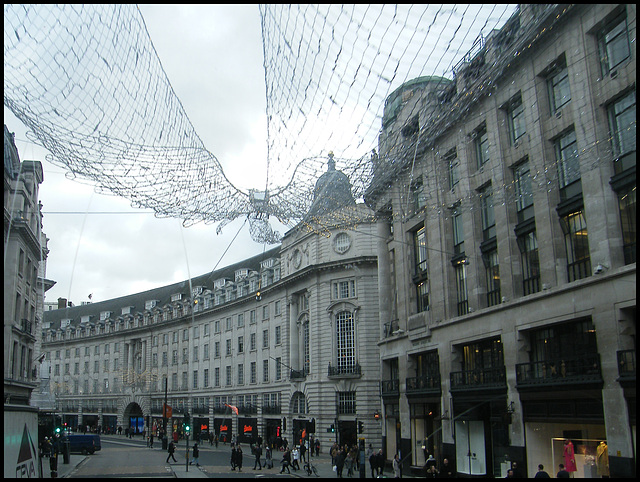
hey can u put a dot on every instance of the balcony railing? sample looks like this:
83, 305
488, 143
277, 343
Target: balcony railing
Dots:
428, 384
560, 371
390, 387
298, 374
353, 370
271, 409
481, 379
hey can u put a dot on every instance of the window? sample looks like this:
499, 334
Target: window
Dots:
483, 356
278, 337
422, 293
241, 344
265, 371
487, 214
185, 355
216, 349
342, 243
558, 86
420, 247
265, 338
627, 204
492, 270
206, 378
567, 160
305, 348
216, 377
185, 334
253, 372
515, 115
165, 357
277, 307
346, 402
453, 164
345, 342
252, 342
265, 312
482, 145
574, 226
344, 289
195, 379
622, 122
252, 316
195, 353
613, 42
458, 233
228, 375
462, 299
228, 350
524, 193
418, 196
528, 244
240, 374
240, 320
278, 368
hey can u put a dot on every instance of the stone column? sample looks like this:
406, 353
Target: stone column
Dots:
294, 336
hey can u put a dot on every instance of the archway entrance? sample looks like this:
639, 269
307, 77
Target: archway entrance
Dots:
133, 418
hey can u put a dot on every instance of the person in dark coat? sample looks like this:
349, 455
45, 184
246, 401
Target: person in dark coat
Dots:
340, 459
239, 457
562, 473
233, 457
171, 449
286, 461
257, 451
541, 474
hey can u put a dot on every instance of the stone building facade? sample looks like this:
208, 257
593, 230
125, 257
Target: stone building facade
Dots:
288, 338
506, 206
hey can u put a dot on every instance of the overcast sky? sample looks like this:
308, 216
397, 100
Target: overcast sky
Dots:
213, 58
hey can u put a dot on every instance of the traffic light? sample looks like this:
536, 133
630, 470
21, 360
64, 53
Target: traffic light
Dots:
332, 428
187, 423
360, 426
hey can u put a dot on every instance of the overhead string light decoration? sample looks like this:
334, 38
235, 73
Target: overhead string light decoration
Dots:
88, 83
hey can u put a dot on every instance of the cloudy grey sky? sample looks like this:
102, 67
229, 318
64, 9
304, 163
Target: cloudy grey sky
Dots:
213, 58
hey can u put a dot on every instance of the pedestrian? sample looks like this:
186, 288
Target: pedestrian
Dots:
295, 456
317, 447
541, 474
151, 439
268, 460
371, 455
510, 474
562, 473
171, 449
303, 452
233, 456
432, 472
286, 461
431, 462
239, 457
196, 454
341, 457
258, 453
517, 473
446, 471
380, 462
396, 466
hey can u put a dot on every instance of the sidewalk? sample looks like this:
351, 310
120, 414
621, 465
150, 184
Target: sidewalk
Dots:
63, 469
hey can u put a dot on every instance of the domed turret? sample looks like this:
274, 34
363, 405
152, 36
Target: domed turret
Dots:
332, 191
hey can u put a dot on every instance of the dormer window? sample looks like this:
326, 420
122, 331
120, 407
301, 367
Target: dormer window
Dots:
176, 297
241, 274
219, 283
126, 310
85, 319
105, 315
150, 304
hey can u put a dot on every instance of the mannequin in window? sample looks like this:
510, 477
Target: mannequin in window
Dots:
569, 457
602, 459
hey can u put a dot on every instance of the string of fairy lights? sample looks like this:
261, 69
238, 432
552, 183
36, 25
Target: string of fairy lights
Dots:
110, 117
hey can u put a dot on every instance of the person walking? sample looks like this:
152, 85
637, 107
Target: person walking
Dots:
233, 456
239, 457
151, 440
341, 457
286, 461
171, 449
295, 455
196, 454
258, 453
562, 473
396, 466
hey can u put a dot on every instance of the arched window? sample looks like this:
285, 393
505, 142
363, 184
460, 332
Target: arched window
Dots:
345, 342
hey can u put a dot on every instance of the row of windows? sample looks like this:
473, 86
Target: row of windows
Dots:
621, 113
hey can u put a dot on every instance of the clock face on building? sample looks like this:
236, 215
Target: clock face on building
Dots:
297, 258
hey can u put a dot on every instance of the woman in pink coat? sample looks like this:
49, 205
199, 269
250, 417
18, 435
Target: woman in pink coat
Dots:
569, 457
